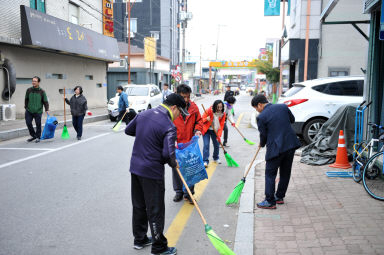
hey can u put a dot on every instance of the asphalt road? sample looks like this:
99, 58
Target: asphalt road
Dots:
73, 197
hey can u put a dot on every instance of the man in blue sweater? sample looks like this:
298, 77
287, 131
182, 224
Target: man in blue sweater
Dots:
153, 148
123, 105
274, 124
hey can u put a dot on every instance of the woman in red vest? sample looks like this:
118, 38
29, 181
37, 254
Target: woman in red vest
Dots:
213, 123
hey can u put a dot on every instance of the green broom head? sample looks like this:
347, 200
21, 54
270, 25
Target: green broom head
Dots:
236, 193
116, 128
248, 141
65, 134
219, 244
230, 161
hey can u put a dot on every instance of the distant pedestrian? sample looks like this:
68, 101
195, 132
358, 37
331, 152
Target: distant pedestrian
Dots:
274, 124
229, 111
154, 146
78, 104
216, 115
35, 98
123, 105
228, 93
187, 127
166, 92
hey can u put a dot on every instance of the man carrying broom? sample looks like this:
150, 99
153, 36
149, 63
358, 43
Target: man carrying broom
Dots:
154, 146
274, 124
187, 127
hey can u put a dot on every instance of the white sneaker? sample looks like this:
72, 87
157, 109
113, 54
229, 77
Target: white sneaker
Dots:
205, 164
217, 161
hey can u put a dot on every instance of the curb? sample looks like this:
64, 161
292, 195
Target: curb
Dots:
20, 132
245, 221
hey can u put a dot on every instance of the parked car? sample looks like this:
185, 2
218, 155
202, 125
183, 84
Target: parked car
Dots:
140, 98
313, 102
242, 87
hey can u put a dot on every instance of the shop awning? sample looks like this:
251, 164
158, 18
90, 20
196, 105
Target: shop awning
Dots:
46, 32
328, 9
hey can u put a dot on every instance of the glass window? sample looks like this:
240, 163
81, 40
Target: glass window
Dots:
320, 88
73, 14
136, 91
37, 5
133, 26
352, 88
294, 90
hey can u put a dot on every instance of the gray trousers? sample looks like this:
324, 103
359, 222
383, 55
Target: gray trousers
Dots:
178, 184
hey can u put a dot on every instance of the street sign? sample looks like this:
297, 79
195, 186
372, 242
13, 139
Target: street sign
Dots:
381, 33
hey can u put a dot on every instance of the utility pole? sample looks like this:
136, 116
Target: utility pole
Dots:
281, 46
307, 41
128, 3
183, 53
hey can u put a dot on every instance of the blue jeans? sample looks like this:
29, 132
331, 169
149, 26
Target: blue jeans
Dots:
77, 122
210, 134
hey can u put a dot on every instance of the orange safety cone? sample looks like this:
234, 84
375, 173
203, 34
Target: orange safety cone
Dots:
342, 155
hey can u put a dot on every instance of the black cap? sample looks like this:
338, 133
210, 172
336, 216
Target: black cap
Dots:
175, 99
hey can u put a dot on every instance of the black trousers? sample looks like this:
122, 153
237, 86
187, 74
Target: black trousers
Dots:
77, 122
28, 120
284, 162
121, 114
148, 207
178, 184
225, 132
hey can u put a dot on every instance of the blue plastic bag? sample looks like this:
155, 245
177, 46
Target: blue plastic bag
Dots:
191, 163
49, 128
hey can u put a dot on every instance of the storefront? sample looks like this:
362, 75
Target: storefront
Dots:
374, 90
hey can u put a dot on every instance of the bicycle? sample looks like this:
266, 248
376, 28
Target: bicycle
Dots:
364, 151
373, 175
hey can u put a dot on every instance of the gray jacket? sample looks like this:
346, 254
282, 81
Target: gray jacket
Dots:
78, 105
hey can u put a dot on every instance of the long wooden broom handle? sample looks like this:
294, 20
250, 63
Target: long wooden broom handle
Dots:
214, 130
191, 196
65, 117
123, 116
253, 160
237, 129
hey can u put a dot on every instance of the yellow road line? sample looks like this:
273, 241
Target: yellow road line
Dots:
178, 224
239, 119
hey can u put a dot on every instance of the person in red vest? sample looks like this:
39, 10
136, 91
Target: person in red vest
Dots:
187, 127
216, 115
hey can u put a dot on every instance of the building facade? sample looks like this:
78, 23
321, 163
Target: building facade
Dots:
149, 18
335, 49
60, 41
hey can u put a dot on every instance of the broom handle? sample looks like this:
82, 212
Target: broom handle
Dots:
123, 115
65, 117
190, 195
214, 130
237, 129
253, 160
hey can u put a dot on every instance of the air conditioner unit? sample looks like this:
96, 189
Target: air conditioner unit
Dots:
8, 112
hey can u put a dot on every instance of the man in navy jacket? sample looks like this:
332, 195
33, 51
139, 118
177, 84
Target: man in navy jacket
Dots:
274, 124
154, 146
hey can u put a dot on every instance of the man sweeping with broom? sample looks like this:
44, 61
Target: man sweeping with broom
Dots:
154, 146
274, 124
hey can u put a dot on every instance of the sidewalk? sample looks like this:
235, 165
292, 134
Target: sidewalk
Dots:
321, 215
17, 128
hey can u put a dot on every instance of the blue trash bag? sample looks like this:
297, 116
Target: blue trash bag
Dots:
191, 163
49, 128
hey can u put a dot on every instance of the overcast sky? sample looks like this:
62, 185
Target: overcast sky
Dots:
243, 29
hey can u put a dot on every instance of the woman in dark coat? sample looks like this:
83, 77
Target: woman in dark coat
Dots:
78, 104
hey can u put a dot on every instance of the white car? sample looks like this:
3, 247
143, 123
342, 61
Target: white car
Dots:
140, 98
313, 102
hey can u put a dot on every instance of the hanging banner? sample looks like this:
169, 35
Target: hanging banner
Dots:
149, 49
108, 18
289, 8
271, 7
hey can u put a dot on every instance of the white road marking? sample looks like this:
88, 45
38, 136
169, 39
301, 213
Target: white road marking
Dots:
27, 149
53, 150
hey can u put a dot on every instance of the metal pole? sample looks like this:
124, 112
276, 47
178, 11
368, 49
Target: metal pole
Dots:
281, 46
129, 40
307, 41
183, 54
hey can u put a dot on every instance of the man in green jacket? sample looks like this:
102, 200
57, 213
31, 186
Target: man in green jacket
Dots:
35, 98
